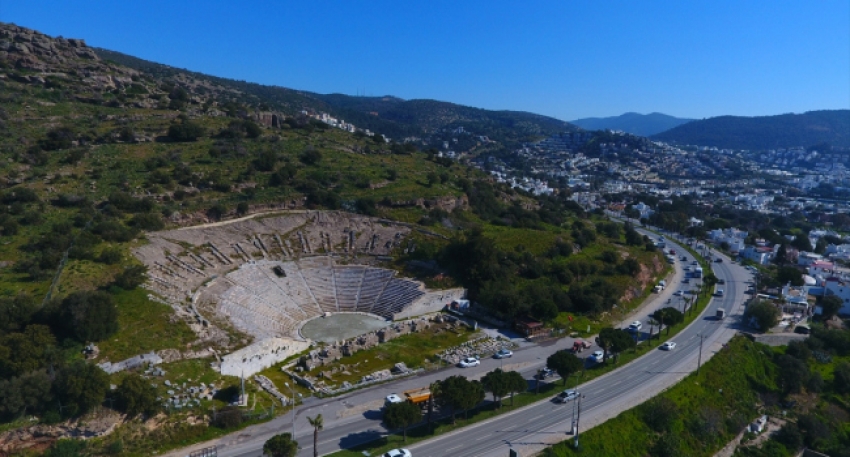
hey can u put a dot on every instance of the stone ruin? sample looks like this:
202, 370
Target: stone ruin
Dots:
336, 351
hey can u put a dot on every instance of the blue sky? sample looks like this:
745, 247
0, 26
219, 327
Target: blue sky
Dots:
567, 59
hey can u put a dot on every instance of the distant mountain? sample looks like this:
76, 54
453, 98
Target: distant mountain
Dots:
765, 132
634, 123
391, 116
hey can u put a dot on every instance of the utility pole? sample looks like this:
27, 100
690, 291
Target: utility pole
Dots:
699, 361
578, 418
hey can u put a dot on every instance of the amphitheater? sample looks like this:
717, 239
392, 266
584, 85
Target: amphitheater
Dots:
270, 275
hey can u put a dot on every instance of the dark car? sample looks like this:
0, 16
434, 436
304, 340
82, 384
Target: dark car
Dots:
545, 373
718, 260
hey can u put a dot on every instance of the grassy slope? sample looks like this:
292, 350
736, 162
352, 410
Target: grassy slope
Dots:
726, 383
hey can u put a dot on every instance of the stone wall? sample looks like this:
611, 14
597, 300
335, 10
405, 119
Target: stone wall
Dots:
431, 302
261, 355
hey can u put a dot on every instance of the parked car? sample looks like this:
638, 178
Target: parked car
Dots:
545, 373
635, 326
687, 268
597, 356
694, 263
398, 453
686, 281
469, 362
668, 346
566, 396
684, 259
503, 354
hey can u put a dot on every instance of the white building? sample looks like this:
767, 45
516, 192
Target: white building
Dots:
841, 289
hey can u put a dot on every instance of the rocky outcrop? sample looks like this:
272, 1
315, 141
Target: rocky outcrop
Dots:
39, 437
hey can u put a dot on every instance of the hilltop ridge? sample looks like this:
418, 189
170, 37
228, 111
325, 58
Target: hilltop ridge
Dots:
634, 123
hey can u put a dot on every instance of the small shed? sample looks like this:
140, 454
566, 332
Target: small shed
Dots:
530, 328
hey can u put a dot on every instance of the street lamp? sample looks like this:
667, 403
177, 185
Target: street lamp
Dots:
578, 418
292, 391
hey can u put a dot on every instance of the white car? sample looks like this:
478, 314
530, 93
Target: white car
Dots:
503, 354
668, 346
635, 326
597, 356
469, 362
398, 453
566, 396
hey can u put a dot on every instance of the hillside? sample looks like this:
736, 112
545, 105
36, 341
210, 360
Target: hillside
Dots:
634, 123
101, 158
391, 116
765, 132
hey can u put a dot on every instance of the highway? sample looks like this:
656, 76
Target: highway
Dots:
542, 424
355, 418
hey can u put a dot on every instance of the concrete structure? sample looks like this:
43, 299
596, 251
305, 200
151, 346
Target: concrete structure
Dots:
133, 362
261, 355
431, 302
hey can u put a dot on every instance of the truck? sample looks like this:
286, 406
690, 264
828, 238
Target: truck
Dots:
580, 345
720, 314
418, 396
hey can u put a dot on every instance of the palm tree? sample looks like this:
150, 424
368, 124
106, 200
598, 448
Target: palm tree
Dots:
435, 391
318, 423
652, 324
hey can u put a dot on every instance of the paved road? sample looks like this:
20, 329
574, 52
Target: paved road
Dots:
532, 428
355, 418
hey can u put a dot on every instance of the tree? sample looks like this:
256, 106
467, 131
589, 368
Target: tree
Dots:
29, 392
281, 445
781, 255
26, 351
841, 378
790, 437
792, 275
830, 306
802, 243
242, 208
496, 382
318, 423
622, 341
473, 396
516, 383
668, 316
605, 341
451, 393
135, 396
185, 131
652, 324
66, 447
402, 415
89, 316
793, 373
565, 363
660, 414
131, 277
79, 387
310, 156
433, 178
765, 314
